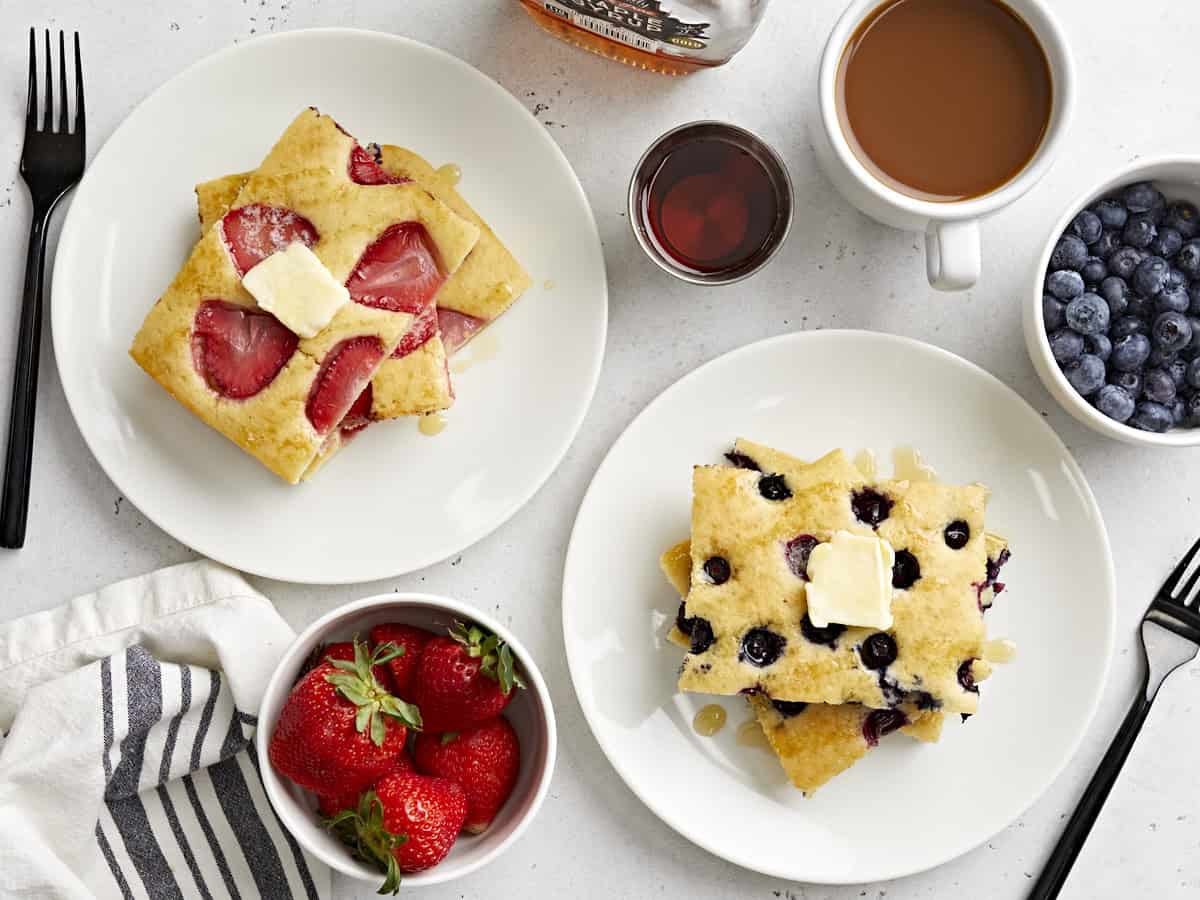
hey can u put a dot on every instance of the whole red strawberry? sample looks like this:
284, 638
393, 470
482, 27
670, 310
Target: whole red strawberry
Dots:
465, 678
483, 759
331, 805
408, 823
403, 668
339, 730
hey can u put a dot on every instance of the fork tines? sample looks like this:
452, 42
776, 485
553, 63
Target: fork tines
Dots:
31, 108
1168, 593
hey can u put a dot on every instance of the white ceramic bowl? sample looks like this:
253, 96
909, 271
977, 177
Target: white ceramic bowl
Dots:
530, 714
1178, 177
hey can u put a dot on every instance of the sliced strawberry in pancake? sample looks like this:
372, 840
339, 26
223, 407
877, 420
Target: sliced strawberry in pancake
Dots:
254, 232
359, 415
343, 377
399, 271
239, 350
423, 328
364, 168
457, 328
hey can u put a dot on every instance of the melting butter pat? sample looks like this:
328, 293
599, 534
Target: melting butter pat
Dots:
850, 582
294, 286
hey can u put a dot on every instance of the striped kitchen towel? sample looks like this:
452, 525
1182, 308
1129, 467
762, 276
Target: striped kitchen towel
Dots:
127, 762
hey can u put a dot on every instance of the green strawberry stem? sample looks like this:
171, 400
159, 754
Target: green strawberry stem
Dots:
356, 682
496, 659
363, 831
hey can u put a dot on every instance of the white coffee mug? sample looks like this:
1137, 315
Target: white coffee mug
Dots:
952, 258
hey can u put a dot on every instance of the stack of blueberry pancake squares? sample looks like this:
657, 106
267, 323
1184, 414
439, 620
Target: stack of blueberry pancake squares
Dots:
326, 292
781, 550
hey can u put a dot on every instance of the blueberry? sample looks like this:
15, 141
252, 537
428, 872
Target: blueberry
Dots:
1085, 374
1130, 353
878, 651
1115, 292
774, 487
1098, 345
1188, 258
1178, 411
1175, 280
871, 507
1114, 401
742, 461
1141, 307
1093, 270
789, 708
1178, 369
1088, 314
1139, 232
1149, 276
1151, 416
1184, 218
1142, 197
702, 635
1111, 213
1064, 284
1124, 261
1176, 300
1130, 382
1167, 243
1054, 313
1108, 244
1087, 227
717, 569
827, 635
966, 677
1066, 346
882, 722
957, 534
1194, 346
1127, 325
761, 647
1194, 298
1159, 386
1160, 359
797, 552
1192, 377
1171, 331
1069, 253
905, 570
1192, 410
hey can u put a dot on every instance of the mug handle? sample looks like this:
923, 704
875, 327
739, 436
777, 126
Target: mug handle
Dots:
952, 254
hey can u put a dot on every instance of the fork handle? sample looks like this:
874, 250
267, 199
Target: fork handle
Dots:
1058, 866
18, 465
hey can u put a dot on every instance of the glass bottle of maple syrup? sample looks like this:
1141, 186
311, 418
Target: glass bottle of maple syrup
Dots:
673, 37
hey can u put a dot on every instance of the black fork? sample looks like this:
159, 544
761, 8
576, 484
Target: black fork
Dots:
51, 164
1170, 638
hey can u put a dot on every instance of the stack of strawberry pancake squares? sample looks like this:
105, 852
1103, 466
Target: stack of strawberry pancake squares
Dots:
409, 721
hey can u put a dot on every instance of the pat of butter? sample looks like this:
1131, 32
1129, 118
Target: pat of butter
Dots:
850, 581
294, 286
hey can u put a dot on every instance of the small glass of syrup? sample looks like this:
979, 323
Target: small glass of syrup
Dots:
710, 203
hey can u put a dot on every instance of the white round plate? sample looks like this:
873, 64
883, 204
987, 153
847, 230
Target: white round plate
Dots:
906, 807
395, 500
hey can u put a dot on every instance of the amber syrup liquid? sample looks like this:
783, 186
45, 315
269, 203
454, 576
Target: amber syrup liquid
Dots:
711, 206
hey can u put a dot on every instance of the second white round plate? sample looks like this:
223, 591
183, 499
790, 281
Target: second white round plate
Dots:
396, 500
906, 807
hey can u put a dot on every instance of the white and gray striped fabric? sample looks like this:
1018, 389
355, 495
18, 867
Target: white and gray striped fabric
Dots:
128, 769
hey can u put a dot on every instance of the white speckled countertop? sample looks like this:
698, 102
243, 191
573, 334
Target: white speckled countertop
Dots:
1137, 74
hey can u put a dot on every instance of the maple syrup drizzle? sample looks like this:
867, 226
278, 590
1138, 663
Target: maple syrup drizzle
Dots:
484, 347
750, 734
709, 720
450, 173
431, 424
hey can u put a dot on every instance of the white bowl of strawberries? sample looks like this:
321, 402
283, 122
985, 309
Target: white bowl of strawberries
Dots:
410, 738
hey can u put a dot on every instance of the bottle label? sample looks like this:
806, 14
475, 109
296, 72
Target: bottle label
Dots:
641, 24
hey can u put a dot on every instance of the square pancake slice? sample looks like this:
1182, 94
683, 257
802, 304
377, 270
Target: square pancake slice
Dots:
281, 398
753, 527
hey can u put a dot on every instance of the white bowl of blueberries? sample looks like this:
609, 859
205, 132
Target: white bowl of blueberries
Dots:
1113, 326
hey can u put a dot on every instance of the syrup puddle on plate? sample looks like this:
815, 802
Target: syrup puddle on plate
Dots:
431, 424
449, 173
485, 346
999, 650
750, 734
907, 465
709, 720
548, 284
